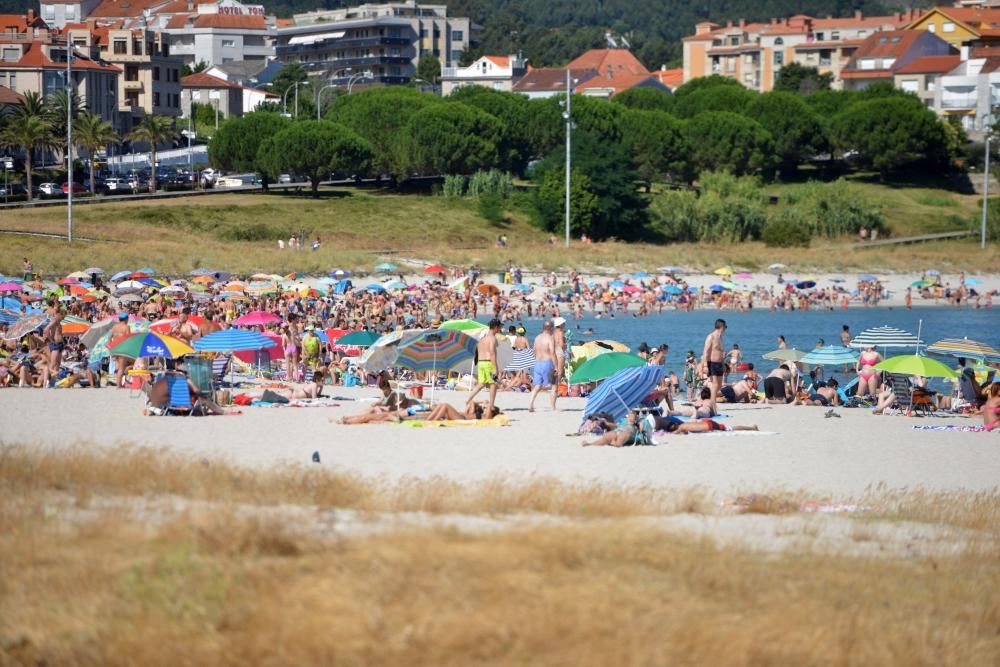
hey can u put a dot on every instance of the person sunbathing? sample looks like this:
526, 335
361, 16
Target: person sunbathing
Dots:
704, 426
742, 391
624, 434
445, 412
824, 395
700, 409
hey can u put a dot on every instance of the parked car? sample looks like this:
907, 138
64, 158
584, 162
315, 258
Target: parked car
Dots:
285, 178
77, 188
19, 190
117, 185
50, 190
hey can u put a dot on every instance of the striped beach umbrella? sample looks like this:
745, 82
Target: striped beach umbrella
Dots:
26, 325
521, 360
964, 348
623, 391
99, 350
382, 354
230, 340
149, 344
830, 355
433, 349
885, 336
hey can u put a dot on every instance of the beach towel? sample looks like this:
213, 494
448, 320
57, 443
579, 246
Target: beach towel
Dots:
971, 428
499, 420
661, 437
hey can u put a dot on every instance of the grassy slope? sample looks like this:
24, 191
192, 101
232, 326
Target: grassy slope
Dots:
359, 229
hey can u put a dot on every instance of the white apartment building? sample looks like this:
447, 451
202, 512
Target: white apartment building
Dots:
496, 72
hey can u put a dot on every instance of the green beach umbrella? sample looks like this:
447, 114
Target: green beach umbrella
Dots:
358, 338
463, 325
604, 366
785, 355
915, 364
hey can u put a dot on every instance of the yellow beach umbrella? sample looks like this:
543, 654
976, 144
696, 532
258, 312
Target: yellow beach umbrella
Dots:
724, 271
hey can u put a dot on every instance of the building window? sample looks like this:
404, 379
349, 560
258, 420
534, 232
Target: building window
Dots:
165, 50
948, 26
779, 42
909, 86
131, 73
779, 58
931, 27
121, 47
229, 43
13, 82
931, 83
156, 99
11, 55
156, 74
457, 35
887, 63
867, 63
50, 12
734, 41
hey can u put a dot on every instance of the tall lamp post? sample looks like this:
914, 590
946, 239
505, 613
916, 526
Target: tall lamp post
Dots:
319, 97
986, 190
569, 128
69, 139
357, 77
284, 98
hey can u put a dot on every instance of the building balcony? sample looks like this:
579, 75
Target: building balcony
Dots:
363, 42
359, 81
132, 85
360, 63
960, 102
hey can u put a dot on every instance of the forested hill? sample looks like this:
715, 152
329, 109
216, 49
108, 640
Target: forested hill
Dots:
550, 32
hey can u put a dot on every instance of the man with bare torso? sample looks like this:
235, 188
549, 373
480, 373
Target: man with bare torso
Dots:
486, 368
53, 337
712, 357
559, 339
545, 365
121, 328
184, 328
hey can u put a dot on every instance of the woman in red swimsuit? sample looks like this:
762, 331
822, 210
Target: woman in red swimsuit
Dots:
867, 375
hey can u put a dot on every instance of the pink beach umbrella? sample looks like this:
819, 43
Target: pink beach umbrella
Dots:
11, 287
257, 318
744, 275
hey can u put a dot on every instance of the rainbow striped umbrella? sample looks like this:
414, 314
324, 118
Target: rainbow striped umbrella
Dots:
432, 349
100, 348
965, 348
149, 344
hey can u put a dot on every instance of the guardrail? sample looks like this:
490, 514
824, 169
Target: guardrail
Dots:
924, 238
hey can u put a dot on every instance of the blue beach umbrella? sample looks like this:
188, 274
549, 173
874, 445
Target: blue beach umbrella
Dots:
233, 340
522, 288
972, 282
623, 391
716, 288
375, 287
640, 274
385, 267
617, 284
805, 284
830, 355
672, 289
147, 270
867, 277
121, 275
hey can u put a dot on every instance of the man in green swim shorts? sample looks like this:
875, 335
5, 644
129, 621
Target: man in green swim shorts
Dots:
486, 369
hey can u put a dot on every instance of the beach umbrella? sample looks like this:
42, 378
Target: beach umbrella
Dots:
202, 272
671, 289
358, 338
395, 284
785, 355
716, 288
669, 269
522, 288
432, 349
172, 290
92, 270
867, 278
805, 284
916, 364
463, 325
458, 283
99, 349
640, 274
728, 285
385, 267
129, 298
11, 287
230, 340
150, 282
97, 293
135, 275
203, 280
26, 325
120, 276
775, 267
724, 271
631, 289
342, 287
972, 282
562, 289
932, 272
837, 280
597, 347
375, 287
257, 318
434, 268
149, 344
521, 360
79, 275
964, 348
339, 273
921, 283
488, 290
130, 285
617, 284
148, 270
830, 355
624, 390
885, 336
165, 325
604, 366
74, 326
381, 354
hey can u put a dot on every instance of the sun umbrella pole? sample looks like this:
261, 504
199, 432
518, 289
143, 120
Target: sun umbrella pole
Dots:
920, 326
622, 400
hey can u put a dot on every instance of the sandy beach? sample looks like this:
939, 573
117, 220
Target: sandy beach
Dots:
799, 449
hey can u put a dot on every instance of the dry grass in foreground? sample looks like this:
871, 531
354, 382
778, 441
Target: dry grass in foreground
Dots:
216, 587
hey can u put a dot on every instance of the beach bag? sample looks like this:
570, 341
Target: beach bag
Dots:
272, 397
242, 399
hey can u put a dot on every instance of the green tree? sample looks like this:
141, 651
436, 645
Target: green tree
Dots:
379, 115
828, 103
703, 83
721, 140
714, 98
286, 78
153, 130
451, 138
91, 132
550, 201
58, 107
429, 68
512, 110
544, 127
795, 131
650, 99
236, 146
890, 133
802, 80
29, 128
659, 148
599, 118
188, 70
315, 148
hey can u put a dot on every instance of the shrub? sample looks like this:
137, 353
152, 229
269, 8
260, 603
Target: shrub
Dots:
835, 209
257, 231
490, 208
673, 216
494, 181
454, 186
788, 230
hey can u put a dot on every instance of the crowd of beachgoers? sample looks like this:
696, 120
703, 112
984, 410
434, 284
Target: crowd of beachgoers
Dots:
93, 329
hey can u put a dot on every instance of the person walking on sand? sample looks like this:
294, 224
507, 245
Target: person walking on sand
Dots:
545, 365
559, 340
486, 368
712, 357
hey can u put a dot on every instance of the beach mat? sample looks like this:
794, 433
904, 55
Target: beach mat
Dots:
950, 427
499, 420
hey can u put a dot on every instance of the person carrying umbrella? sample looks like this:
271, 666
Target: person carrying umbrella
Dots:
486, 368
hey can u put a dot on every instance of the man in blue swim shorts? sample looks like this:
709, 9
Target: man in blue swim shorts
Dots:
545, 364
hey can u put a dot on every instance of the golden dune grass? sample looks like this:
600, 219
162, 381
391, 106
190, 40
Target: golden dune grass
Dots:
91, 584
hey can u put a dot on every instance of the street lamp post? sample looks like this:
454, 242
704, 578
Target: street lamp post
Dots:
69, 139
569, 127
354, 79
189, 133
319, 97
284, 98
986, 190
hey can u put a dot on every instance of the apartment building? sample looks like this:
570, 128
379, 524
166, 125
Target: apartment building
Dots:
596, 73
754, 53
977, 26
496, 72
385, 40
150, 81
883, 54
33, 59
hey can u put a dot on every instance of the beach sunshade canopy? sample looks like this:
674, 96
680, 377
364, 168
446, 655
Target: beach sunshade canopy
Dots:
775, 267
165, 325
99, 349
382, 354
921, 283
916, 364
375, 287
669, 269
120, 276
672, 289
521, 360
640, 274
434, 268
785, 355
92, 270
358, 339
867, 277
385, 267
488, 290
11, 287
149, 344
522, 288
257, 318
724, 271
395, 285
885, 336
743, 275
231, 340
805, 284
623, 391
932, 272
463, 325
74, 326
830, 355
26, 325
564, 288
973, 282
604, 366
433, 349
458, 283
339, 273
964, 348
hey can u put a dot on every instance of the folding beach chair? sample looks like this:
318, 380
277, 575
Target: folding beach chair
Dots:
909, 398
220, 366
200, 371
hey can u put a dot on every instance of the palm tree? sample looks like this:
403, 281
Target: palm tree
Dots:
153, 130
90, 131
29, 127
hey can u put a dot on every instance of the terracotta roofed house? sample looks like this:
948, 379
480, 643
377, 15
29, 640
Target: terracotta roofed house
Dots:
201, 88
881, 55
961, 26
921, 76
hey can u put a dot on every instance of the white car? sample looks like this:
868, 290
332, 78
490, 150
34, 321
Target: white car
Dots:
285, 178
117, 185
50, 190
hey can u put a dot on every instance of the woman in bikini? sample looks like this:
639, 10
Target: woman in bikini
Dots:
868, 377
991, 409
289, 341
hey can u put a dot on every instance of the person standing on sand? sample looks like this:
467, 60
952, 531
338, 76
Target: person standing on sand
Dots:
121, 328
545, 365
559, 339
711, 360
486, 368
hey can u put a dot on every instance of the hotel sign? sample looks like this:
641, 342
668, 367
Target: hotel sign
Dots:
235, 8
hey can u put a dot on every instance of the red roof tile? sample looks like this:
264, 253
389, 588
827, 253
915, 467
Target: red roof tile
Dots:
178, 22
866, 74
34, 58
123, 8
500, 61
888, 44
931, 65
19, 23
8, 96
617, 60
230, 21
618, 83
203, 80
544, 79
670, 77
